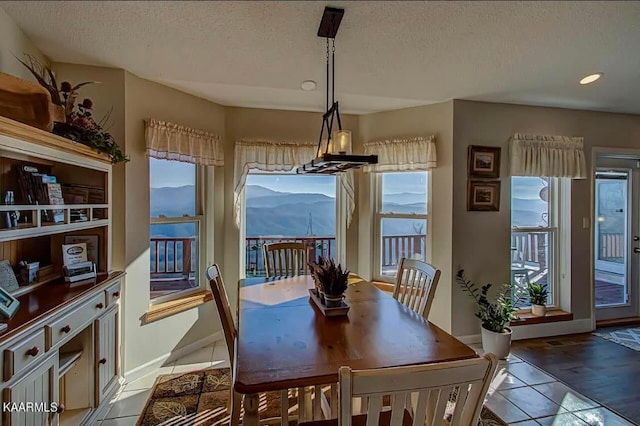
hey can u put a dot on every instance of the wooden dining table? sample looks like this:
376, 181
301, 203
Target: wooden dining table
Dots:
285, 342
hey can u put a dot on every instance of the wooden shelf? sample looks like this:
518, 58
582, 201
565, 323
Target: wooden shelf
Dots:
9, 234
67, 361
27, 133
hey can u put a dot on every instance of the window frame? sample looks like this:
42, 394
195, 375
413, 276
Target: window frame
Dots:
199, 220
378, 216
340, 230
554, 230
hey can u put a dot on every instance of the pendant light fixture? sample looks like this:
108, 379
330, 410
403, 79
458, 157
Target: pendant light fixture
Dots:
334, 145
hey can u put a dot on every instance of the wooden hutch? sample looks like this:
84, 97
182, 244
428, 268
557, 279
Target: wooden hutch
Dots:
61, 349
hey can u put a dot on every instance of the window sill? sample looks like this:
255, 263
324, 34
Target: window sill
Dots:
163, 310
553, 315
384, 286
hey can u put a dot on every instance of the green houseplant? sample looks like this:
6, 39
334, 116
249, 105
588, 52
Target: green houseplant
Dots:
538, 294
495, 315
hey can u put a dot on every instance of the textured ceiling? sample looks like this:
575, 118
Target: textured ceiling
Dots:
389, 54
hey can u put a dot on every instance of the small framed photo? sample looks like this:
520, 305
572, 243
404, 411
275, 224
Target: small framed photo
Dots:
484, 161
8, 304
483, 196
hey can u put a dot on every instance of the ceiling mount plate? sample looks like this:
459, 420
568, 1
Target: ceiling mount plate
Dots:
330, 22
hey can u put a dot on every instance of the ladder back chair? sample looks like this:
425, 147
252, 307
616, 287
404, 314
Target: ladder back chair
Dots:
449, 393
287, 259
230, 330
416, 284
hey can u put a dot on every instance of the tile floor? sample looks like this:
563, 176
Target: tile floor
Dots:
524, 395
520, 394
128, 404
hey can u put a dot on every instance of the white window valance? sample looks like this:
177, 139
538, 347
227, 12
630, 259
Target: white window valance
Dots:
270, 156
547, 156
396, 155
168, 141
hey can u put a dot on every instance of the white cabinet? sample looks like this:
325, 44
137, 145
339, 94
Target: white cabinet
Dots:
31, 399
106, 353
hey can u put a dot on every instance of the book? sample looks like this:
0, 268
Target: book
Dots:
54, 194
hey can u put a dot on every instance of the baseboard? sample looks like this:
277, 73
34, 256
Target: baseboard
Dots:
535, 331
158, 362
471, 339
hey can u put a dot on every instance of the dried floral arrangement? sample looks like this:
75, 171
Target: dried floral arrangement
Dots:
79, 125
330, 278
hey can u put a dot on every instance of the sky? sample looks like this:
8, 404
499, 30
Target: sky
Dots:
165, 173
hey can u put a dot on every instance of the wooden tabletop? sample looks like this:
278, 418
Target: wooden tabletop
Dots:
284, 341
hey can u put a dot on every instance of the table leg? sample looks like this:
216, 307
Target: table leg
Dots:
251, 410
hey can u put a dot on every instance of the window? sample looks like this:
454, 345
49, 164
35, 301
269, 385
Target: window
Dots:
401, 220
176, 228
288, 207
534, 234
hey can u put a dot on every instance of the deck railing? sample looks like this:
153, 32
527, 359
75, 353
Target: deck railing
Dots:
172, 256
395, 247
254, 261
611, 247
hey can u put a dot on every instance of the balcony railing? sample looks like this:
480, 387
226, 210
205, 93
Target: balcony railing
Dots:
254, 261
172, 257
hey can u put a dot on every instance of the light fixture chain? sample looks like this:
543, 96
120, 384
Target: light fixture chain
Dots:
326, 102
333, 71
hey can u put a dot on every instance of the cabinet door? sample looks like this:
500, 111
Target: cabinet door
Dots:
39, 387
107, 348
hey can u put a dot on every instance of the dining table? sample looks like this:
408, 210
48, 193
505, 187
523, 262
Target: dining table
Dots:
285, 342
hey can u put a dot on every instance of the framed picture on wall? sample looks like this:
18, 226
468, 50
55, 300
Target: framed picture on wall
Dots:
483, 195
484, 161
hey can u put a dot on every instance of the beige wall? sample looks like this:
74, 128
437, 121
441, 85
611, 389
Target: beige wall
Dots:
276, 125
419, 121
481, 240
14, 42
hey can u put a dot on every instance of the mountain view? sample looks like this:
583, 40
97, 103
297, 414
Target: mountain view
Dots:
274, 213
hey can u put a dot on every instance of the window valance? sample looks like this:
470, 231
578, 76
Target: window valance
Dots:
395, 155
280, 156
170, 141
547, 156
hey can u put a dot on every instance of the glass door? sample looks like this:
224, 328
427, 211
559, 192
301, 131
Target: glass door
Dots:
617, 244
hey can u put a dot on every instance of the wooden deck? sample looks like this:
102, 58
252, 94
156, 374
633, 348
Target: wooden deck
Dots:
163, 287
609, 294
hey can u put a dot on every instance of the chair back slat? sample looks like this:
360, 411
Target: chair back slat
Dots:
416, 284
286, 259
219, 294
424, 391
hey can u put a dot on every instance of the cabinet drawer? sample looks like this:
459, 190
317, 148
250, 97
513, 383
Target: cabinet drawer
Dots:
23, 354
66, 327
112, 293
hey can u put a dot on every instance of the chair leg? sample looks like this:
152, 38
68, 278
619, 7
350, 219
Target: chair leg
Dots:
236, 404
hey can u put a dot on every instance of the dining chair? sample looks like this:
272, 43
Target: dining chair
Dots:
449, 393
287, 259
416, 284
230, 330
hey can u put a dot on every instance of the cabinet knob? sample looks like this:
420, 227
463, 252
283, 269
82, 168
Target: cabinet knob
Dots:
116, 294
66, 329
103, 361
33, 351
60, 409
99, 306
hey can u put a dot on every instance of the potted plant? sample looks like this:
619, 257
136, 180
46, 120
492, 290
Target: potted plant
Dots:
495, 316
331, 280
538, 296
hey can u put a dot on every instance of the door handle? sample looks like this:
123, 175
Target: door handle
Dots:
636, 249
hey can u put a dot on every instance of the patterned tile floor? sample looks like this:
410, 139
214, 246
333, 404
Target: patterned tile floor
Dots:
520, 394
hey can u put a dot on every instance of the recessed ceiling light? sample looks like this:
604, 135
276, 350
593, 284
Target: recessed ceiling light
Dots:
308, 85
591, 78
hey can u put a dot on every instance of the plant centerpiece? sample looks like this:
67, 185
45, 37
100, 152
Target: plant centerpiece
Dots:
538, 297
331, 281
495, 316
79, 124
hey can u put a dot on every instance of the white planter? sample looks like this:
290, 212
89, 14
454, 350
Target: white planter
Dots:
498, 344
539, 310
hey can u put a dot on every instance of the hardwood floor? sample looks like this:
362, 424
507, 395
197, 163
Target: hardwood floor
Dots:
601, 370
